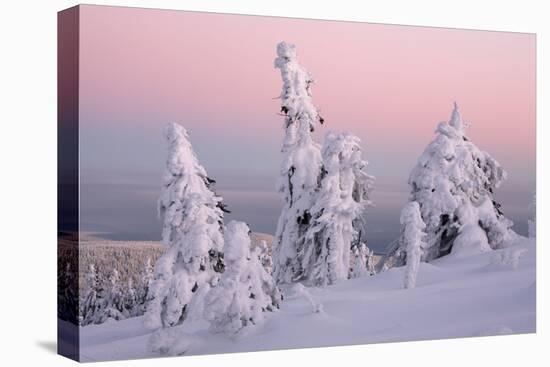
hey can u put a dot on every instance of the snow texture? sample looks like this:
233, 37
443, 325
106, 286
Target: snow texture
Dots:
454, 182
341, 199
117, 301
264, 254
413, 234
362, 261
130, 300
301, 166
147, 276
300, 291
113, 302
482, 299
508, 258
245, 292
192, 218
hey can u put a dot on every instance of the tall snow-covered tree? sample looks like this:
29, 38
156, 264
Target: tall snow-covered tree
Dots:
246, 291
342, 198
301, 167
413, 234
454, 182
192, 217
532, 221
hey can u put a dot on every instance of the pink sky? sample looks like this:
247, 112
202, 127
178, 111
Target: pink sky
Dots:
388, 84
213, 73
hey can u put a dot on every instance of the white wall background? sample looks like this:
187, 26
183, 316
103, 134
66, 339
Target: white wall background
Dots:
28, 181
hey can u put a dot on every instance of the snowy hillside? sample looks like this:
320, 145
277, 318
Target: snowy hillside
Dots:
483, 294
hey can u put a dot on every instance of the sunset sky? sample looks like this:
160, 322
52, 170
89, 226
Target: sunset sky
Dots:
214, 74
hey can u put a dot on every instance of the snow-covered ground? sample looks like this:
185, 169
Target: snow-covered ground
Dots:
456, 296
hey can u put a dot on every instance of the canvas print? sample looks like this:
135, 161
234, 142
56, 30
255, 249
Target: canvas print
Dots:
232, 183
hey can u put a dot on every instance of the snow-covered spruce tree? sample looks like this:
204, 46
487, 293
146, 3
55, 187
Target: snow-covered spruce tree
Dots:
342, 198
301, 167
246, 291
130, 300
92, 304
453, 182
532, 221
413, 234
114, 299
192, 216
147, 276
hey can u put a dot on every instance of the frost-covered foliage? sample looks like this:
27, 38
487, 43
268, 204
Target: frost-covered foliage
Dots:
113, 300
325, 193
264, 254
342, 198
413, 233
192, 216
301, 167
67, 294
245, 290
110, 297
130, 300
92, 303
361, 261
454, 182
68, 302
532, 221
101, 303
128, 257
147, 276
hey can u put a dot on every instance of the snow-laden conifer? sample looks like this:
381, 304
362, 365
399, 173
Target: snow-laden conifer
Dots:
301, 166
342, 198
113, 299
413, 234
145, 281
130, 300
192, 215
92, 304
454, 183
245, 291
